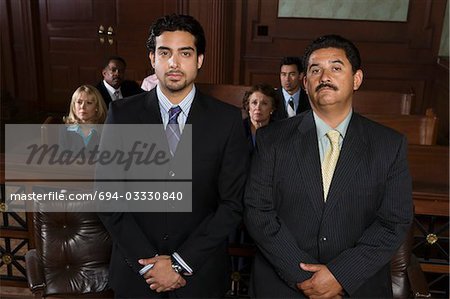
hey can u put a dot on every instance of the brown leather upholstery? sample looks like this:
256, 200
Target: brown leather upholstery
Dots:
408, 280
71, 256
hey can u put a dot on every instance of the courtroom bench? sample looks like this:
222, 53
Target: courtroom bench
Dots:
418, 129
429, 167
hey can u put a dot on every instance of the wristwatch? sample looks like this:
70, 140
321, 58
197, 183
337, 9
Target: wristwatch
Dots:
176, 267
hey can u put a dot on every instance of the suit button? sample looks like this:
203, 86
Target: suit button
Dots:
323, 239
171, 173
166, 237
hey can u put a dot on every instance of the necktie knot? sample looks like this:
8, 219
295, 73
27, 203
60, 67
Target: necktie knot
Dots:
291, 102
173, 114
291, 107
117, 95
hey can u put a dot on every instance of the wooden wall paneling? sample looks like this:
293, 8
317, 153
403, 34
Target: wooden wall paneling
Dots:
72, 52
7, 79
439, 99
239, 38
218, 20
397, 56
134, 18
19, 58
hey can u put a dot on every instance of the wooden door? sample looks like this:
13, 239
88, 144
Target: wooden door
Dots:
73, 51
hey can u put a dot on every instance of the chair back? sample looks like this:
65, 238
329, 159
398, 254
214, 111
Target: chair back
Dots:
382, 102
74, 250
419, 129
49, 132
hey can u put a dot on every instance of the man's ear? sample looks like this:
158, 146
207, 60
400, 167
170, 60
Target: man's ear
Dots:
151, 56
200, 61
304, 84
357, 79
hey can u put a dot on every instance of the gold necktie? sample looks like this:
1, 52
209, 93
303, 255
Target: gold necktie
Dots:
329, 161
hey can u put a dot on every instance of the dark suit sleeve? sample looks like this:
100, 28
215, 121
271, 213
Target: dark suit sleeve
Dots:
122, 226
214, 229
271, 235
380, 240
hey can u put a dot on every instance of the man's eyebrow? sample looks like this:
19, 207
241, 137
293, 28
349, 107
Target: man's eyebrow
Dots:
186, 48
163, 48
337, 61
312, 65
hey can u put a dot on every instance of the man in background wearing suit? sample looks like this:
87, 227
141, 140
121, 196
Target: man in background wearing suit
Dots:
293, 98
329, 197
114, 86
188, 250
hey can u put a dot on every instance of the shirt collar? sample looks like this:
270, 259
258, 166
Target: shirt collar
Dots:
110, 89
287, 96
323, 128
185, 104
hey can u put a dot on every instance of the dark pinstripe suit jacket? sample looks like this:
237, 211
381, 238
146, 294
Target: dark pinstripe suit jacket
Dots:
355, 233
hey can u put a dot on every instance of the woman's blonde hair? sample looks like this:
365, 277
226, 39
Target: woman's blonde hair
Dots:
100, 106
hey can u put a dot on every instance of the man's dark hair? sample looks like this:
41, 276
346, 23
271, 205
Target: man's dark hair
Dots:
334, 41
110, 58
292, 60
175, 22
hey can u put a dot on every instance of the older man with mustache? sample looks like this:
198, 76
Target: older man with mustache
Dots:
329, 197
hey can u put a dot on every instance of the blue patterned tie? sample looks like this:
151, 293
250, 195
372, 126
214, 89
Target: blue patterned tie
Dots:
173, 129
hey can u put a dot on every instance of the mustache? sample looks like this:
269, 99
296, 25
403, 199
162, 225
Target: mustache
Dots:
174, 72
323, 85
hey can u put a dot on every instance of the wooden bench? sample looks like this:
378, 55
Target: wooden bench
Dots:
382, 102
49, 130
419, 129
429, 166
228, 93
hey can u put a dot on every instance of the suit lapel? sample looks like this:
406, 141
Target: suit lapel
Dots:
151, 114
198, 109
350, 157
308, 160
281, 104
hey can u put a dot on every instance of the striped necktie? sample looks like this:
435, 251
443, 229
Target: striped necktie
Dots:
329, 161
173, 129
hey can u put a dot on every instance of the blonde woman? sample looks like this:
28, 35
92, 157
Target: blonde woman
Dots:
87, 110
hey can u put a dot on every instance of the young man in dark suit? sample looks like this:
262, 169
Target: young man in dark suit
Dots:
188, 250
329, 197
293, 99
114, 86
